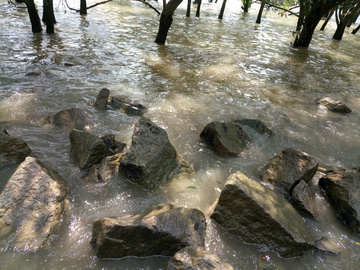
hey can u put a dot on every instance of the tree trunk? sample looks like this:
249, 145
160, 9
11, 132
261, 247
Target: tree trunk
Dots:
198, 8
222, 10
34, 16
340, 29
49, 17
83, 7
258, 20
327, 19
246, 5
344, 20
311, 21
166, 20
188, 9
355, 30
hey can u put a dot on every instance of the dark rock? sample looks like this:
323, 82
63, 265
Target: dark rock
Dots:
107, 170
333, 105
128, 106
102, 99
111, 143
257, 125
71, 118
255, 214
12, 150
303, 200
343, 191
196, 259
226, 138
164, 231
87, 149
31, 205
287, 168
151, 159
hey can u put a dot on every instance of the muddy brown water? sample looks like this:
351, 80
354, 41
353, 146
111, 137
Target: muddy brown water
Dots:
209, 70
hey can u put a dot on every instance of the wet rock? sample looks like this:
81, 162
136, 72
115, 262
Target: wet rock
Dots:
87, 149
111, 143
303, 200
255, 214
107, 170
287, 168
31, 205
164, 231
343, 191
12, 150
128, 106
102, 99
333, 105
151, 159
255, 124
71, 118
197, 259
226, 138
265, 263
35, 74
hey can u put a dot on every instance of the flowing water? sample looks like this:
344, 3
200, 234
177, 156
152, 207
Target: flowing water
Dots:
209, 70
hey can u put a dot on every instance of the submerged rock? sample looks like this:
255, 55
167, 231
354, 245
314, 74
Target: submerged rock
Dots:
87, 149
257, 125
128, 106
12, 150
102, 99
255, 214
343, 191
31, 205
151, 159
226, 138
333, 105
197, 259
164, 231
287, 168
71, 118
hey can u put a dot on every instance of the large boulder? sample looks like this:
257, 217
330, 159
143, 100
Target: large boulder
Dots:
303, 199
197, 259
343, 191
226, 138
31, 205
287, 168
151, 159
255, 214
163, 231
333, 105
70, 118
88, 149
12, 150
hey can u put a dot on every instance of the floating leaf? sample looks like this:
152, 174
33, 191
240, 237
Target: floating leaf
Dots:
192, 187
357, 243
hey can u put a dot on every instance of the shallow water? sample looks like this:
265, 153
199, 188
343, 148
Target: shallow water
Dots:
209, 70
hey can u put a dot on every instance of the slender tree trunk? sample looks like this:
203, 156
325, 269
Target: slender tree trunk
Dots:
198, 8
222, 10
258, 19
166, 20
302, 12
328, 19
355, 30
246, 5
345, 19
49, 17
188, 9
34, 16
311, 21
83, 7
